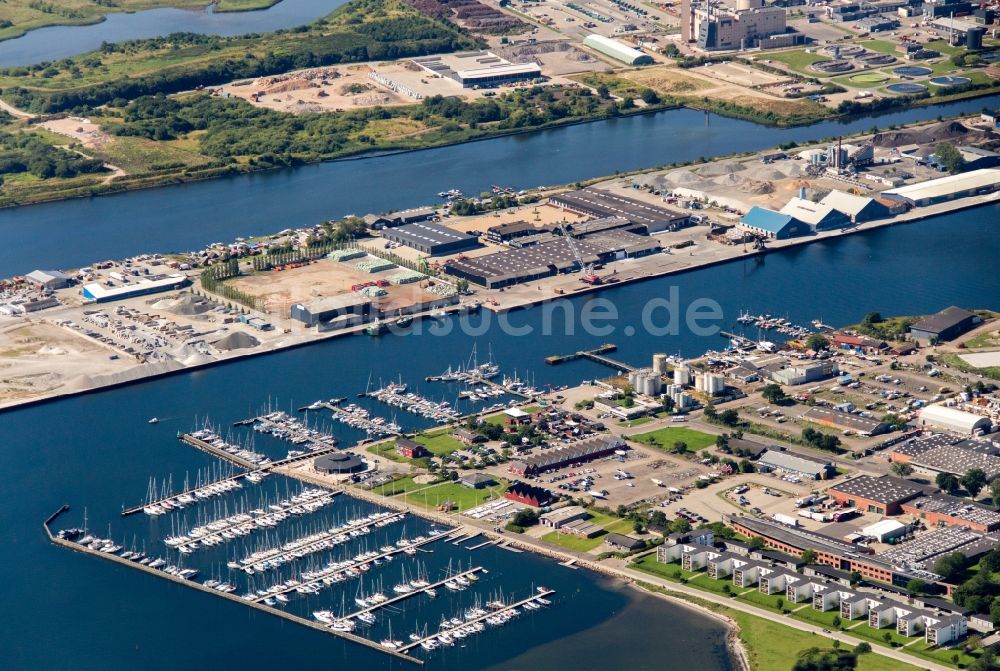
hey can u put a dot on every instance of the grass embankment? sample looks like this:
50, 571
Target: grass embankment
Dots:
770, 644
17, 17
763, 656
222, 6
665, 438
675, 87
956, 361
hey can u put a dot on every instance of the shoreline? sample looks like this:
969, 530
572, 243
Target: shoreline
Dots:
226, 171
530, 301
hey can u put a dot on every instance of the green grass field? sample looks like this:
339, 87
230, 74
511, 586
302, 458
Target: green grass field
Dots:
573, 542
666, 437
398, 487
870, 78
439, 442
985, 339
881, 46
462, 497
797, 60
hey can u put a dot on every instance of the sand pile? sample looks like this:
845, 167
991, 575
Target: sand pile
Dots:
185, 305
946, 130
723, 168
236, 340
728, 180
683, 176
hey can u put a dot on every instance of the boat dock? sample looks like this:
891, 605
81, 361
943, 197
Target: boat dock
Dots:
218, 531
283, 426
296, 549
596, 354
192, 491
320, 577
534, 598
416, 592
217, 451
360, 421
68, 544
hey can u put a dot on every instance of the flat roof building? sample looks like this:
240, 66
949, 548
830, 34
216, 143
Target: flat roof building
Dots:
561, 516
789, 462
945, 325
882, 496
150, 284
431, 238
617, 50
604, 204
330, 308
963, 185
845, 420
478, 69
940, 510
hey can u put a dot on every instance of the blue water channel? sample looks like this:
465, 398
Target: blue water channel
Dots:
57, 42
74, 233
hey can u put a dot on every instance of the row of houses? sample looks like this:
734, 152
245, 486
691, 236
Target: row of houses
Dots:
937, 627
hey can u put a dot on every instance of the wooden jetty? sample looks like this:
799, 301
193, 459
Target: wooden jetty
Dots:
326, 574
316, 544
205, 446
416, 592
360, 640
542, 593
597, 354
268, 467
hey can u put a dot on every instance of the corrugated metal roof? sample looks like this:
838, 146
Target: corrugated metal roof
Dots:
944, 186
765, 219
845, 202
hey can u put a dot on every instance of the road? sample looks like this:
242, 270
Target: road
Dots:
730, 602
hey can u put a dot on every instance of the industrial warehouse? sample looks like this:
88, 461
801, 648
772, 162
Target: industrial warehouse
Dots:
431, 238
600, 203
478, 69
558, 255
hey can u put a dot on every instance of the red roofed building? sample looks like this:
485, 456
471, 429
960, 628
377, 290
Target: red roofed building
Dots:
527, 494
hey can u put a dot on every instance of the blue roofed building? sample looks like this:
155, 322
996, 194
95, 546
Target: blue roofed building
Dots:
766, 223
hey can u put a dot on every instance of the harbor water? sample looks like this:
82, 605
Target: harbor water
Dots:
57, 42
73, 233
97, 452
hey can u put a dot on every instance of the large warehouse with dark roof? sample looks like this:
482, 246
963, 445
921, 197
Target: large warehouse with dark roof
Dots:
599, 203
431, 239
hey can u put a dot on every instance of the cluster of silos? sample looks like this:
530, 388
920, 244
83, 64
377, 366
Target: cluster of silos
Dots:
710, 383
646, 381
680, 397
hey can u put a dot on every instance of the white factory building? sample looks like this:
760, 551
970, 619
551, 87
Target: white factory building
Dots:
952, 187
617, 50
953, 420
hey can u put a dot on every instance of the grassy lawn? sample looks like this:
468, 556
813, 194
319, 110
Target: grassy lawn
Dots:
942, 655
769, 601
957, 362
666, 437
573, 542
637, 422
387, 450
875, 635
439, 442
620, 527
797, 60
136, 154
649, 564
985, 339
398, 487
824, 617
461, 496
943, 47
703, 581
881, 46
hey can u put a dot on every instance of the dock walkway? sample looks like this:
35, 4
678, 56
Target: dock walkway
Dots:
416, 592
328, 572
62, 542
542, 593
265, 468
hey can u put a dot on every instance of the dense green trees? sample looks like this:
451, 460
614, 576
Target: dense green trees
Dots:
27, 152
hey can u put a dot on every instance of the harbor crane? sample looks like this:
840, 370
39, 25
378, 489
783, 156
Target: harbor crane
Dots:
589, 276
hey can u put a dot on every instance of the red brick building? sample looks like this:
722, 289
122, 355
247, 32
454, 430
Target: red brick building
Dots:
527, 494
410, 449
